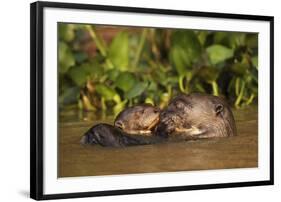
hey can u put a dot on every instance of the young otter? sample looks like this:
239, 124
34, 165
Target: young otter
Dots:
109, 136
139, 119
196, 116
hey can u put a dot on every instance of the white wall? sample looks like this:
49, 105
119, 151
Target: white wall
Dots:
14, 100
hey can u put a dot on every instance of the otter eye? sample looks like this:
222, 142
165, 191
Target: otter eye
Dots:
218, 109
156, 110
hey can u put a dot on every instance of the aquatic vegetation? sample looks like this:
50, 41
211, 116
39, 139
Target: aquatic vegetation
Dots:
108, 68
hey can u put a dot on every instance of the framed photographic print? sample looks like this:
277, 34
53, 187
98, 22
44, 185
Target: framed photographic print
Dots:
134, 100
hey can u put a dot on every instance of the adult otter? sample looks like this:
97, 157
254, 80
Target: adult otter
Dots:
196, 116
109, 136
138, 120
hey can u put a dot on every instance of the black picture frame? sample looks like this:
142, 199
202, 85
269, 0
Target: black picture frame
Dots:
36, 99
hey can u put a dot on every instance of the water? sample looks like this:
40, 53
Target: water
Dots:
222, 153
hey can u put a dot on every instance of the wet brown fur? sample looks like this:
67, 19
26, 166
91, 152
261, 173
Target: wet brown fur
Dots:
197, 116
139, 119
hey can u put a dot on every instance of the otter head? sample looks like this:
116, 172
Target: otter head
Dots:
139, 119
197, 116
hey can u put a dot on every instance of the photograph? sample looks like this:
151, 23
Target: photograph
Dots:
129, 100
144, 99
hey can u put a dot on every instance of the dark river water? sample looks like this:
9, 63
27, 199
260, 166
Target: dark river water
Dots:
222, 153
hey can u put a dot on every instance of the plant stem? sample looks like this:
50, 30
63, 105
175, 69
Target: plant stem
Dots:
238, 99
250, 100
215, 88
99, 44
140, 47
180, 80
169, 88
237, 86
103, 105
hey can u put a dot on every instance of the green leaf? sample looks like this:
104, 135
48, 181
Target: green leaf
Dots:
255, 61
202, 36
136, 90
152, 86
160, 77
96, 71
208, 74
66, 32
185, 50
66, 58
252, 40
106, 92
221, 38
180, 60
113, 74
125, 81
118, 52
78, 75
239, 68
229, 39
80, 57
187, 40
88, 68
219, 53
237, 39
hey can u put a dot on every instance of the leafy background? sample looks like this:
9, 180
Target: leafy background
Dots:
107, 68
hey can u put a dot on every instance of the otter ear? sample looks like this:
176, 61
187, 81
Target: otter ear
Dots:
119, 124
219, 109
